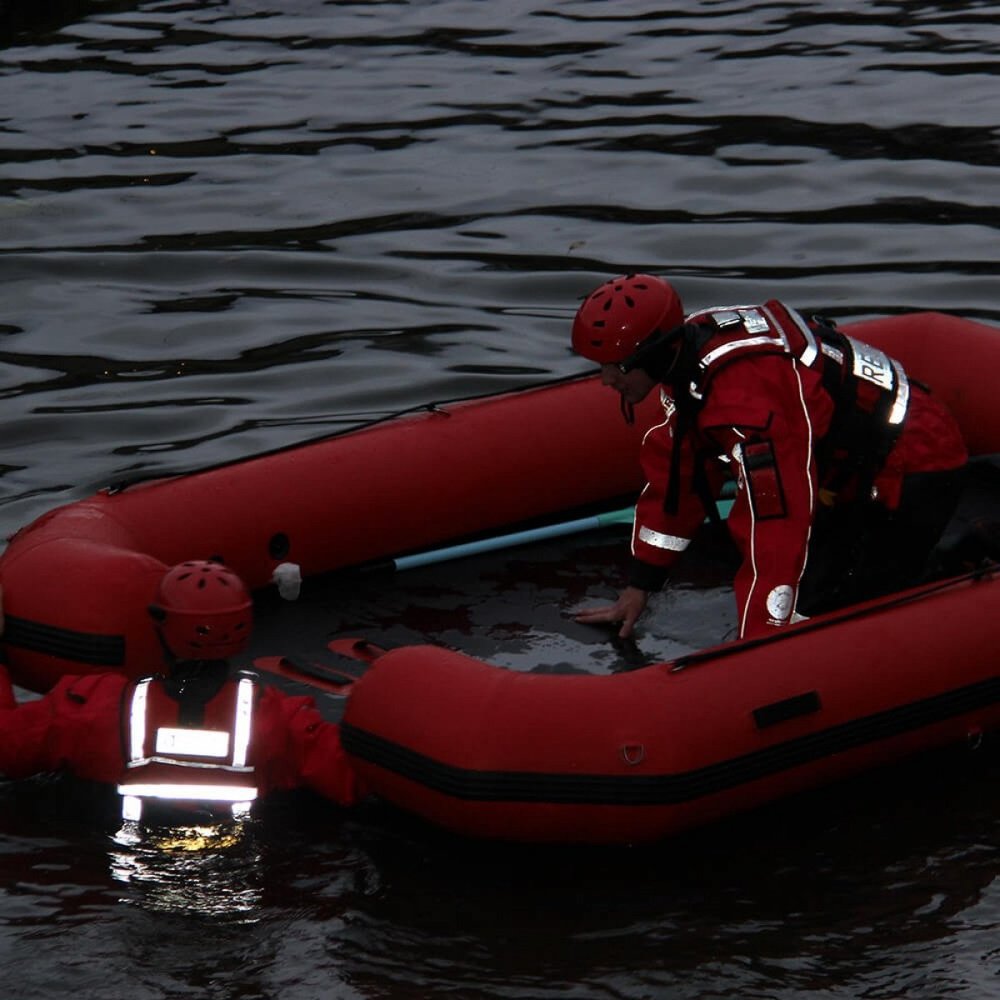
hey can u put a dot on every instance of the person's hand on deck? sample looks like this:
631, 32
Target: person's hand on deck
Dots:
630, 605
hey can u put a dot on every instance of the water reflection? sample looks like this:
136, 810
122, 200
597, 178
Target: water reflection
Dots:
204, 870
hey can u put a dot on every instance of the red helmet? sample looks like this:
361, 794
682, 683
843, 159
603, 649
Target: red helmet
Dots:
203, 611
620, 314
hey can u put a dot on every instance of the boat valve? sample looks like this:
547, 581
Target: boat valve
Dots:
288, 577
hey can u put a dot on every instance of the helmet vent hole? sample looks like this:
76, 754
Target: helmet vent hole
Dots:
629, 301
203, 608
279, 545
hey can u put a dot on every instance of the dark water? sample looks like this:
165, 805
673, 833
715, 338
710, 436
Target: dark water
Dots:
229, 226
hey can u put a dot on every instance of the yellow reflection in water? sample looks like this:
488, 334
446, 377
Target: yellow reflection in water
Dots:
209, 870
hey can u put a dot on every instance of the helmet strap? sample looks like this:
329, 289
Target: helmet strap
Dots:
168, 656
628, 411
193, 684
657, 355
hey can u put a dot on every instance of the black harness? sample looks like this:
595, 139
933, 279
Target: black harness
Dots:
869, 392
861, 433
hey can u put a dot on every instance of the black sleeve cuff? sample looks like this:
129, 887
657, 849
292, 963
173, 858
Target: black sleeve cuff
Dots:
646, 576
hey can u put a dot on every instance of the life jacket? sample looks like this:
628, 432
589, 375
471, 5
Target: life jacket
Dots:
870, 391
178, 756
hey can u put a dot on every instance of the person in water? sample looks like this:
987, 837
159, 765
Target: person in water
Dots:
197, 735
847, 471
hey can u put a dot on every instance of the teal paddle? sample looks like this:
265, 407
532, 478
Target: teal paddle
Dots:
575, 526
509, 540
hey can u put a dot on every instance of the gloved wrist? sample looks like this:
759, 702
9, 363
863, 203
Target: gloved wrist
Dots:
646, 576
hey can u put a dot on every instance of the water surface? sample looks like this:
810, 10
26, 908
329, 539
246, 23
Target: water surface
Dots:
226, 227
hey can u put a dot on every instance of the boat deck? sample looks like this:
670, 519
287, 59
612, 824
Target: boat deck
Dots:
514, 608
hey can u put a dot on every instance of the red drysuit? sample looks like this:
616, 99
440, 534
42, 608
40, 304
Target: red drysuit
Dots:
761, 416
79, 727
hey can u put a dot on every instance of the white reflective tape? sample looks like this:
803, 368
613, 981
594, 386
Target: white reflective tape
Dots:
872, 365
739, 345
754, 321
714, 309
833, 352
244, 717
241, 810
137, 720
902, 401
668, 404
192, 765
811, 351
658, 540
189, 793
192, 742
132, 808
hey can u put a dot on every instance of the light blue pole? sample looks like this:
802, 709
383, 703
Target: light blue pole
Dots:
580, 524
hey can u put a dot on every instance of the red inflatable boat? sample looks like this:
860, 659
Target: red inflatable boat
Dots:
530, 756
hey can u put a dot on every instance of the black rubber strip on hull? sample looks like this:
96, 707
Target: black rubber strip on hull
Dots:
666, 789
81, 647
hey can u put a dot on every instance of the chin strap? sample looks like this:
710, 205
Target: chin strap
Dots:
657, 355
628, 411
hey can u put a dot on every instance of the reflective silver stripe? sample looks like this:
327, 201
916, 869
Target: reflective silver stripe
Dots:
205, 765
244, 719
811, 351
743, 312
716, 309
137, 721
198, 742
902, 401
658, 540
756, 320
192, 742
832, 352
191, 793
241, 810
739, 345
668, 404
195, 742
131, 807
870, 364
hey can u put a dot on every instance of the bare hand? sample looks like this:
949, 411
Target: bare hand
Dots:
630, 605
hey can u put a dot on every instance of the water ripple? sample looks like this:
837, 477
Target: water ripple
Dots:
229, 226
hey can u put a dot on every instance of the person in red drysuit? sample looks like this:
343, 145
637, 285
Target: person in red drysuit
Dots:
195, 735
847, 471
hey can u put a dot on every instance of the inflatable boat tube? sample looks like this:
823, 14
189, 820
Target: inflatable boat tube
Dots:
497, 753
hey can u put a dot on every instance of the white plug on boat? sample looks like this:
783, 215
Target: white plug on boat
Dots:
288, 577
